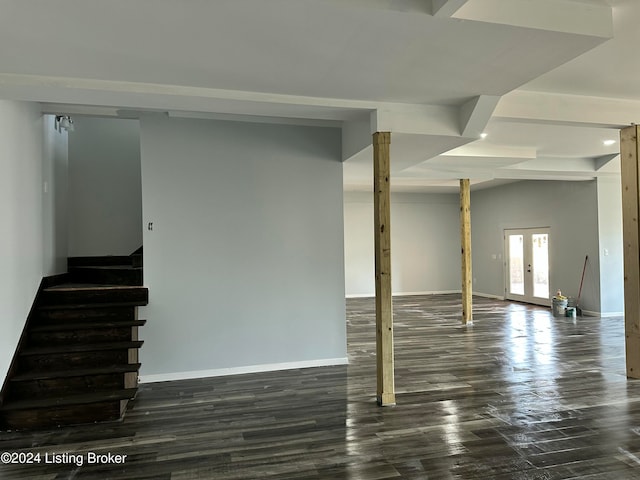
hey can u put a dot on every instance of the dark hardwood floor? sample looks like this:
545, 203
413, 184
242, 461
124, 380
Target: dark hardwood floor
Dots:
518, 395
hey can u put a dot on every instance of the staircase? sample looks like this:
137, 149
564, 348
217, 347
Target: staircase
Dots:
78, 358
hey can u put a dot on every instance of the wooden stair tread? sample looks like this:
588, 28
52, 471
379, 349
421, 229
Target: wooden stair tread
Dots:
105, 267
73, 306
77, 372
86, 324
91, 347
91, 287
66, 400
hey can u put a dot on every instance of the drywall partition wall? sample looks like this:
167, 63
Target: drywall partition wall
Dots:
105, 193
611, 250
21, 257
425, 243
570, 209
55, 170
245, 260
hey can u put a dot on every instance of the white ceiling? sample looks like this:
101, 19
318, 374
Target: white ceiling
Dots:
548, 81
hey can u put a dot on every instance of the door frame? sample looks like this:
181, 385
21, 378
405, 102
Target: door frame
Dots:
526, 232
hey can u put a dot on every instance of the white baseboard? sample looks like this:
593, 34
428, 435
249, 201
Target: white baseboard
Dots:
591, 313
435, 292
403, 294
220, 372
488, 295
431, 292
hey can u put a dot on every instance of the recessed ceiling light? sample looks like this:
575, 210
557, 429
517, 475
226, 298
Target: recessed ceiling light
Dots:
609, 142
483, 135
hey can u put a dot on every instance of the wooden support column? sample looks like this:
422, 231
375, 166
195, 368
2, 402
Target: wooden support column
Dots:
384, 312
630, 234
465, 242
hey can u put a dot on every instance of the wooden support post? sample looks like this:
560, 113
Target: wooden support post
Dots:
384, 312
629, 157
465, 242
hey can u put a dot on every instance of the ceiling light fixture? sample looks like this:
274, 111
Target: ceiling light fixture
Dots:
608, 142
63, 122
483, 135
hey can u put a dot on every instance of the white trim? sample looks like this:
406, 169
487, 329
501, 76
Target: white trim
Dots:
436, 292
488, 295
403, 294
220, 372
591, 313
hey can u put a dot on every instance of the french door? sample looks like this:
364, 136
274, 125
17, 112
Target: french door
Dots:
527, 265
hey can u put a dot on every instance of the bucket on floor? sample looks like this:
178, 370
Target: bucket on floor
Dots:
558, 307
570, 312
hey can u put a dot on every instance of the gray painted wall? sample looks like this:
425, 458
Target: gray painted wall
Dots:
105, 193
245, 260
611, 250
55, 174
425, 232
21, 218
570, 209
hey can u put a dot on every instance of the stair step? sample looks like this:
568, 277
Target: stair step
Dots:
76, 372
81, 313
86, 324
136, 259
67, 400
87, 331
74, 306
78, 337
52, 417
83, 296
54, 387
53, 358
91, 347
107, 274
100, 260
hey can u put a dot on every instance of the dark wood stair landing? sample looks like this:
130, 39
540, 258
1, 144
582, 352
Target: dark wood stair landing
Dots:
78, 362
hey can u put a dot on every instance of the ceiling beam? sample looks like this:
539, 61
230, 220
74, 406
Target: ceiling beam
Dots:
415, 119
600, 162
564, 109
475, 114
567, 16
445, 8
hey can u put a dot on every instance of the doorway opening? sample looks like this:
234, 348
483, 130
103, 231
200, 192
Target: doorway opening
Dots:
527, 265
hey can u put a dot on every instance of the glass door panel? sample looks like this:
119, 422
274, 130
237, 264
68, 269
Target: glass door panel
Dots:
516, 264
527, 265
540, 265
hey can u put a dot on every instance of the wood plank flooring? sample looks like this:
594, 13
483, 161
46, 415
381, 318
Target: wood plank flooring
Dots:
518, 395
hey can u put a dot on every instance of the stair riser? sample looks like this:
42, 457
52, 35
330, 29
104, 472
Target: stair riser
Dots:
136, 260
107, 276
66, 386
58, 416
76, 337
111, 260
76, 314
101, 296
60, 361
